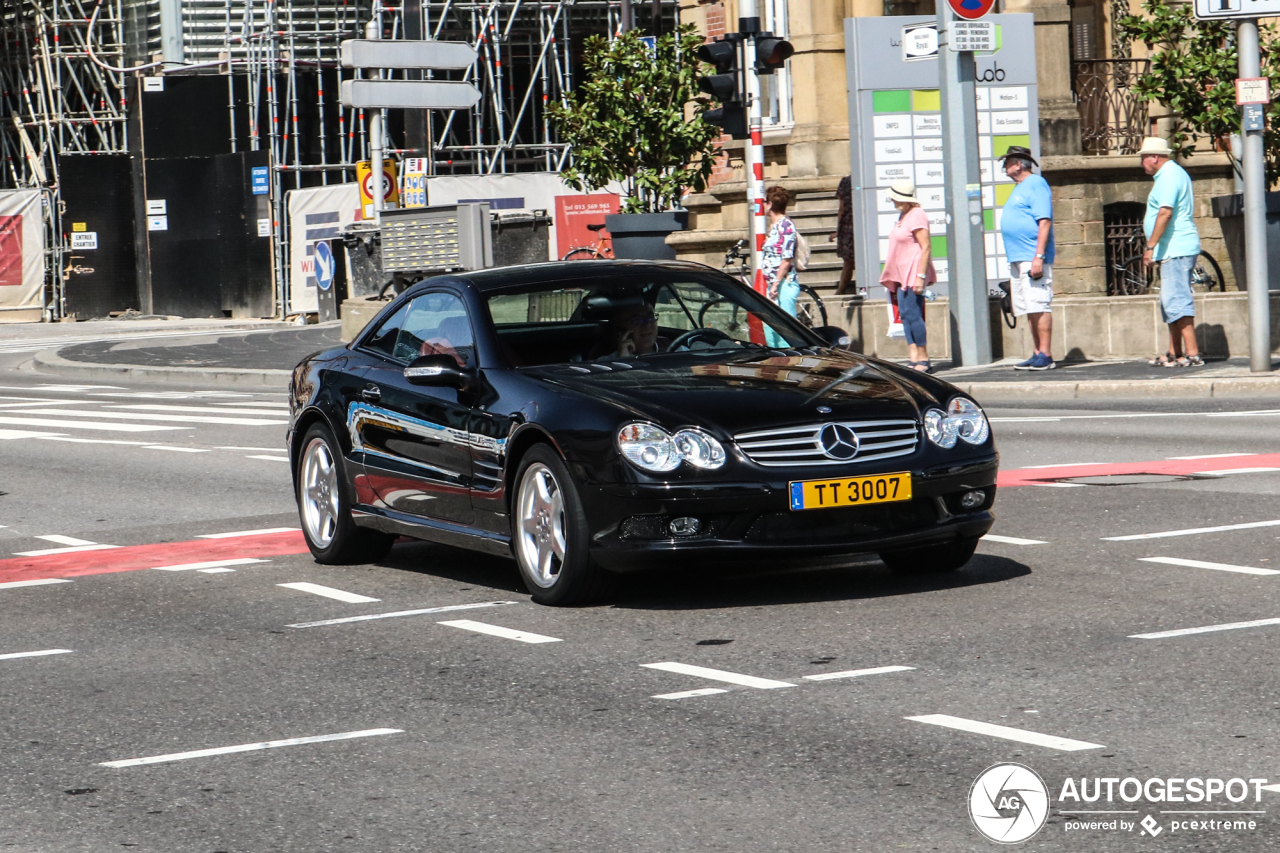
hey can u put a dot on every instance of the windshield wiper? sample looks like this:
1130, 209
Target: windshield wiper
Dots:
852, 373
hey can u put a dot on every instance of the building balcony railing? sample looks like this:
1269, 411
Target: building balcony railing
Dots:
1112, 118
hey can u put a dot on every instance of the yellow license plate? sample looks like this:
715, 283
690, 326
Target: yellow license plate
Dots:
853, 491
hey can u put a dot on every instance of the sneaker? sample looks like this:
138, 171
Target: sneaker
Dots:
1025, 365
1040, 361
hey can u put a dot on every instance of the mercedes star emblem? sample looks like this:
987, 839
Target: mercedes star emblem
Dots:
838, 441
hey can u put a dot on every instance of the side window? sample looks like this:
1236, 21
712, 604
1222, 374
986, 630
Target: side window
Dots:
384, 340
436, 324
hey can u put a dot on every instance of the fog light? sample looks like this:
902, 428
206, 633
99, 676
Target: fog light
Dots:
973, 500
685, 526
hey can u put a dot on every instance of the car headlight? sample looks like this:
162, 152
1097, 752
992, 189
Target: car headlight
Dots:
652, 448
963, 420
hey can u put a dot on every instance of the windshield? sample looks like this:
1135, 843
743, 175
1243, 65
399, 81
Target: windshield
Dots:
625, 317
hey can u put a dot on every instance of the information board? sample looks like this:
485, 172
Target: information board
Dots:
895, 132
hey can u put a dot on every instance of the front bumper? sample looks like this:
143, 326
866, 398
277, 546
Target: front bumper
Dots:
750, 520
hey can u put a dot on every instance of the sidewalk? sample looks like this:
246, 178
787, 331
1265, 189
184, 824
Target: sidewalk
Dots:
265, 357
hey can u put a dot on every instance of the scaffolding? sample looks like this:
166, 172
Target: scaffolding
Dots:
65, 69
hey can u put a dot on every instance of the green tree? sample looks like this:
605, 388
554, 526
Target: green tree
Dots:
626, 120
1194, 65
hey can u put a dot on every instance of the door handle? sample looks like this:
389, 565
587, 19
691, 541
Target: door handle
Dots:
371, 394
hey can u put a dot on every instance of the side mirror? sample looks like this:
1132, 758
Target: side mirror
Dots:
440, 371
834, 336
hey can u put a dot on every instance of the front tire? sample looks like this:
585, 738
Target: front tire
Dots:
549, 534
932, 559
324, 506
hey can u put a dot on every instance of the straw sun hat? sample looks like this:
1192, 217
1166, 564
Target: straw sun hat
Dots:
1155, 145
903, 191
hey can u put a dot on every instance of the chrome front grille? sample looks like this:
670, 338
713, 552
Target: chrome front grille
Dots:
801, 445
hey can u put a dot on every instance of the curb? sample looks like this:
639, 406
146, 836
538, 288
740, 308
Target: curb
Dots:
1244, 386
49, 361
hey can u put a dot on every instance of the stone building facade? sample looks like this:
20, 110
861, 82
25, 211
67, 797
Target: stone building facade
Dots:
1089, 127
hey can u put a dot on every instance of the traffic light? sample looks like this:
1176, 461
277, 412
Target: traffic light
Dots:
771, 52
725, 86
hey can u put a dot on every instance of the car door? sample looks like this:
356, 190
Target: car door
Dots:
415, 439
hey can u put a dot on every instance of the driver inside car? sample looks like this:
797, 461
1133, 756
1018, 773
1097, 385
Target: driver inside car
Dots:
633, 330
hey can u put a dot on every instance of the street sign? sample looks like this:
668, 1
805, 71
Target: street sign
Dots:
408, 94
260, 180
323, 257
971, 10
971, 36
1253, 90
1219, 9
390, 193
399, 53
919, 42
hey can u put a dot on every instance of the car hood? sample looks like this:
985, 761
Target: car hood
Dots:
745, 390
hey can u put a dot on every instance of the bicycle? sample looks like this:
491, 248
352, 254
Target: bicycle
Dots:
810, 309
1131, 277
598, 250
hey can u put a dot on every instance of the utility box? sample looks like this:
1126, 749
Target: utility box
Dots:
429, 240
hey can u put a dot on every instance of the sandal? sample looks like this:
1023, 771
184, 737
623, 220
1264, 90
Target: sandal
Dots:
922, 366
1166, 360
1194, 361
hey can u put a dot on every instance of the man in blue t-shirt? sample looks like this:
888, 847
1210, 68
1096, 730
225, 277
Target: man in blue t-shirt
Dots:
1174, 243
1026, 225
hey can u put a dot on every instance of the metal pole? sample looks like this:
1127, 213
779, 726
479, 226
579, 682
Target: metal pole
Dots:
966, 252
626, 20
1255, 215
748, 26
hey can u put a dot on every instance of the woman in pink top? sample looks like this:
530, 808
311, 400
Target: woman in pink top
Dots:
909, 270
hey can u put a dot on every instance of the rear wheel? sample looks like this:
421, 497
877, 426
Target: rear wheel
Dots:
324, 506
583, 254
809, 308
549, 534
932, 559
1206, 275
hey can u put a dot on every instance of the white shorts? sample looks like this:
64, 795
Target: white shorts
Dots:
1030, 295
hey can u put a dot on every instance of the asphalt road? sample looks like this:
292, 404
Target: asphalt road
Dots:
459, 740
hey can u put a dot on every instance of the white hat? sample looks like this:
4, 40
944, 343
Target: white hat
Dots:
903, 191
1155, 145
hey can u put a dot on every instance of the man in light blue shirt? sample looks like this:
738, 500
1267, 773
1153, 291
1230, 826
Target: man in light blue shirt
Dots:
1174, 243
1026, 226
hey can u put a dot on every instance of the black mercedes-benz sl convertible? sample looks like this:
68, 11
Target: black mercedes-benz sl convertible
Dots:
591, 418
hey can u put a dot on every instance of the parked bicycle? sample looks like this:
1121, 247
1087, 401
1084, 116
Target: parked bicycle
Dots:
1130, 277
601, 249
809, 307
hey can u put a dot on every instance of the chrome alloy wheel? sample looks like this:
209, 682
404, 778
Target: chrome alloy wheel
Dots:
540, 510
319, 493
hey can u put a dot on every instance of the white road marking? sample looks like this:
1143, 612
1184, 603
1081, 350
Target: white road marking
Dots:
1212, 456
211, 410
247, 747
1061, 465
270, 458
1205, 629
263, 532
47, 552
263, 449
14, 434
15, 655
1191, 531
1221, 567
499, 631
34, 402
857, 673
213, 571
140, 416
91, 440
1226, 471
719, 675
41, 582
398, 613
1005, 732
1058, 485
1014, 540
59, 539
174, 449
328, 592
101, 425
211, 564
689, 694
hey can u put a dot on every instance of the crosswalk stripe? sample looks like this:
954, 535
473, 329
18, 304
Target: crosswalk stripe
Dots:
689, 694
328, 592
212, 410
42, 653
14, 434
38, 582
209, 564
1013, 540
1005, 732
499, 631
1198, 564
247, 747
74, 549
1192, 531
719, 675
263, 532
146, 416
857, 673
101, 425
59, 539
